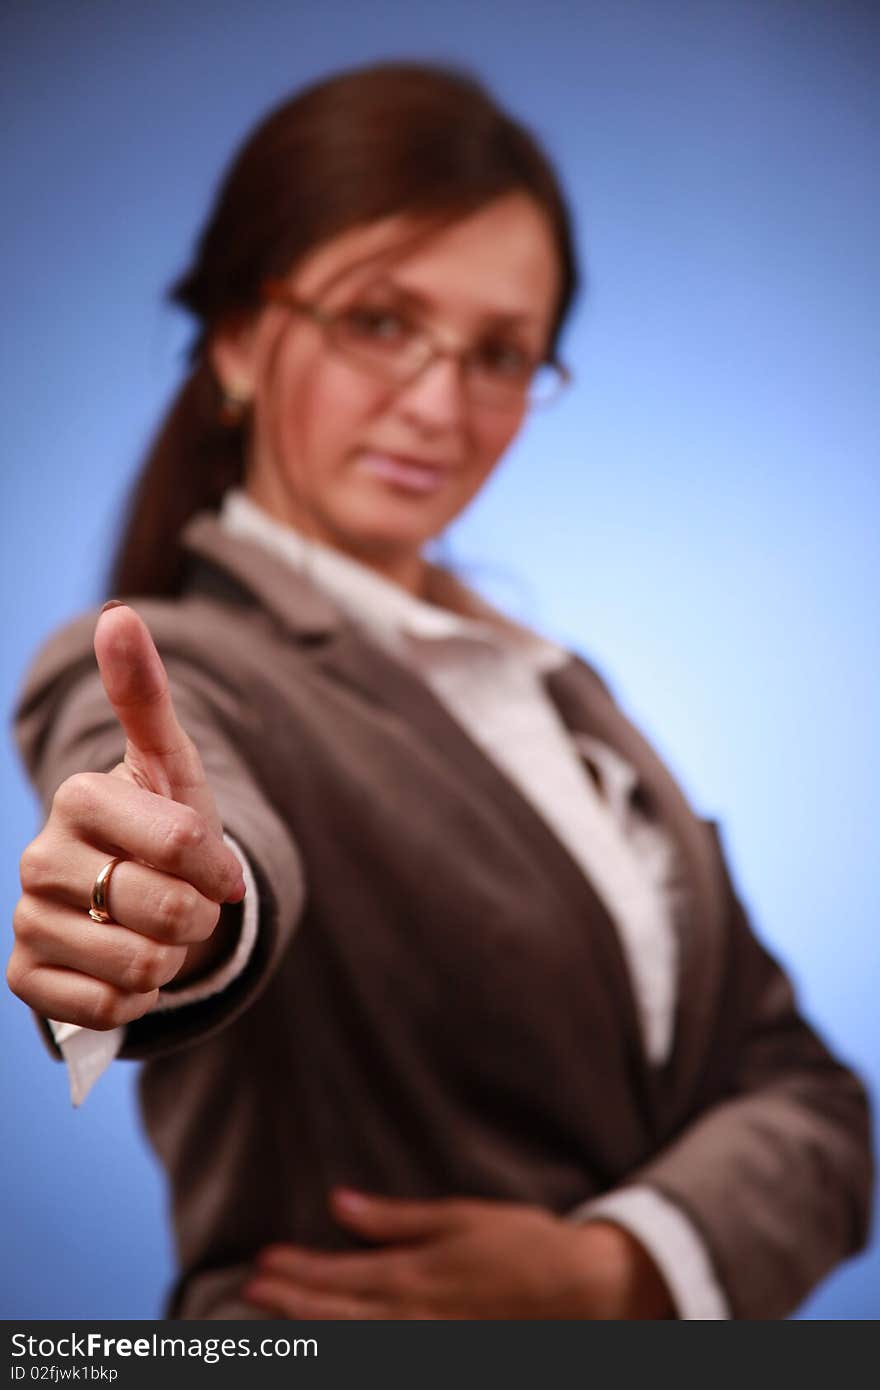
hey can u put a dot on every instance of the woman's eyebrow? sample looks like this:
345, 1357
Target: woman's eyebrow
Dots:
422, 301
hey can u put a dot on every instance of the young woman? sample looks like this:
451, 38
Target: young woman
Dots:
447, 1005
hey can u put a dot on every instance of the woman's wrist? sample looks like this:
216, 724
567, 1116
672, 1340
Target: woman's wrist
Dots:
619, 1279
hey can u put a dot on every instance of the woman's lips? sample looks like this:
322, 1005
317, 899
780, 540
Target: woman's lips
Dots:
408, 474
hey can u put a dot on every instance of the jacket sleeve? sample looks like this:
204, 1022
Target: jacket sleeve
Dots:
64, 725
776, 1170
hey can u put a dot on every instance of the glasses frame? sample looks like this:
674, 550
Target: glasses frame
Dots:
279, 292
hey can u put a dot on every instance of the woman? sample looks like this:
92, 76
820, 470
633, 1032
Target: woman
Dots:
447, 1005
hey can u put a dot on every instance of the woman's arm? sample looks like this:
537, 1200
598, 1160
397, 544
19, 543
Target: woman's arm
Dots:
776, 1175
67, 726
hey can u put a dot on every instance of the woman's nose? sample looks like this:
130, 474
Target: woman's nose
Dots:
436, 397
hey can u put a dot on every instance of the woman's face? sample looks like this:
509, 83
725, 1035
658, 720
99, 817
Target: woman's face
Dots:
378, 467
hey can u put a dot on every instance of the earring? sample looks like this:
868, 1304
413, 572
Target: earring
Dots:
233, 407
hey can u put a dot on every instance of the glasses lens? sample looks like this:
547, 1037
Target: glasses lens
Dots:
544, 384
381, 340
386, 343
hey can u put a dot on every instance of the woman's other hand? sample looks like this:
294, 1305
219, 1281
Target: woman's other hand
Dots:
155, 812
464, 1259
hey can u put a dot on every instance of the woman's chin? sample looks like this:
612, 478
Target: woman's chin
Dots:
393, 525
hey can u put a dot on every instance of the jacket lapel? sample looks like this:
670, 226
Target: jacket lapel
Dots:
587, 707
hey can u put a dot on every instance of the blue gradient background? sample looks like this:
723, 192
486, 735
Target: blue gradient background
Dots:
699, 516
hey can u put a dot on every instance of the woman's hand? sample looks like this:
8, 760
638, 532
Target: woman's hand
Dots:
462, 1258
156, 812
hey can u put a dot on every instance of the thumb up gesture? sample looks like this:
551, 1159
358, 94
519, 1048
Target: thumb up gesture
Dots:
155, 909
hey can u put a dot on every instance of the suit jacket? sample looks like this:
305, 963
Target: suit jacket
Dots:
438, 1003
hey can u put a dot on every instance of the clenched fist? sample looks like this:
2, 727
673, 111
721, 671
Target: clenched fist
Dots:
155, 812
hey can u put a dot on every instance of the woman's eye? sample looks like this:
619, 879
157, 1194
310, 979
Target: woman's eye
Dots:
504, 359
374, 324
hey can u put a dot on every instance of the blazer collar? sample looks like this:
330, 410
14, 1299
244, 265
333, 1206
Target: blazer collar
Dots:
301, 608
308, 610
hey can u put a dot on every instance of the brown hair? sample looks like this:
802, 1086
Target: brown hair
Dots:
359, 146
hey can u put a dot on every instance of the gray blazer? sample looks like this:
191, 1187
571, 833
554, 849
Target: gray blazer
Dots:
438, 1003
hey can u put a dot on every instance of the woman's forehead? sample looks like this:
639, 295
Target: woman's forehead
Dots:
502, 259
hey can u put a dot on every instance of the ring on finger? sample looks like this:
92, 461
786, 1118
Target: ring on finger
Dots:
98, 909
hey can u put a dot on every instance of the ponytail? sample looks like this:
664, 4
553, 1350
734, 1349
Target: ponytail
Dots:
192, 461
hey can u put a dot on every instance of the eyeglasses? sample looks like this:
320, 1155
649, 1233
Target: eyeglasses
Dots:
386, 342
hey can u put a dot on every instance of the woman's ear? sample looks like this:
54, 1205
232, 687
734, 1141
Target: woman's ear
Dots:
231, 352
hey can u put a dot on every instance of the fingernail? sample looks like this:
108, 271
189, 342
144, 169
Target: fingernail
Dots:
112, 603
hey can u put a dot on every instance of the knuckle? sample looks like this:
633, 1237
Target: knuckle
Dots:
75, 795
184, 836
187, 902
176, 907
105, 1010
16, 976
65, 798
151, 966
34, 865
24, 919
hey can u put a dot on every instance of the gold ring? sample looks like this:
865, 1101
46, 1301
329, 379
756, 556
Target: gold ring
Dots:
98, 902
